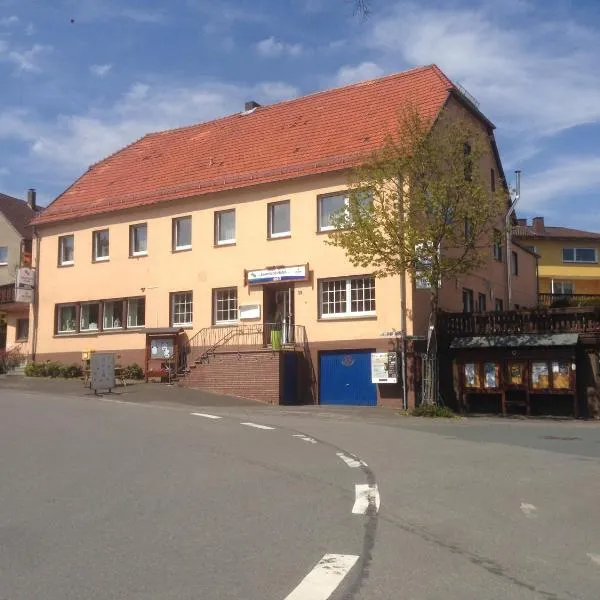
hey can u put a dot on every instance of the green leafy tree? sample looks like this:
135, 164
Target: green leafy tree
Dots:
423, 204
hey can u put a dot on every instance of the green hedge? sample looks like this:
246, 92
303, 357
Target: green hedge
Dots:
133, 371
53, 369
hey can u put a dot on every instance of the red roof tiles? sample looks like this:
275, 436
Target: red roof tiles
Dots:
322, 132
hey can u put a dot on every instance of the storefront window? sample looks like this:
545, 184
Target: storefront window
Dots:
472, 377
515, 373
560, 375
539, 376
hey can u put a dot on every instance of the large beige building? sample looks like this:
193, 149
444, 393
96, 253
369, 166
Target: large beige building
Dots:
219, 229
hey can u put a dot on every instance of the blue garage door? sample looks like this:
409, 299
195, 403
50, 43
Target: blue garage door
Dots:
345, 378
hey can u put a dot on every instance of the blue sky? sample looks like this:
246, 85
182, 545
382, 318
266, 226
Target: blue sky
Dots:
71, 93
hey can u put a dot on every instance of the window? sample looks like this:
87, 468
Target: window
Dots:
66, 249
22, 330
101, 245
279, 219
181, 308
563, 287
481, 303
514, 263
182, 233
579, 255
499, 305
497, 245
113, 314
67, 318
467, 300
347, 297
330, 206
138, 240
136, 312
89, 317
493, 180
225, 305
225, 227
3, 255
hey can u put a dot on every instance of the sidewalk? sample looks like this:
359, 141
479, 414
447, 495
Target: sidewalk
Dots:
139, 392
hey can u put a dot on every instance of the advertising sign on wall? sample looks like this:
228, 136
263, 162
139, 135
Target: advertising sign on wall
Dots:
384, 367
277, 274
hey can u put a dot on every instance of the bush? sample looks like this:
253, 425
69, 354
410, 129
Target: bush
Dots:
434, 411
71, 371
133, 371
53, 369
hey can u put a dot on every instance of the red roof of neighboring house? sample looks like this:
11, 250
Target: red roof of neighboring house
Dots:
18, 213
321, 132
562, 233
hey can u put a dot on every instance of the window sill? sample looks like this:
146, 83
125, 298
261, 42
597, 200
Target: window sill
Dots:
285, 236
97, 332
65, 265
3, 264
138, 255
101, 260
225, 244
183, 326
181, 249
21, 340
226, 323
347, 318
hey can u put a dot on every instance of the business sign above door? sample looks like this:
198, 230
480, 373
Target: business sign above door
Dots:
277, 274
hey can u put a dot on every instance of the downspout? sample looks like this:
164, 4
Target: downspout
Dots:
511, 212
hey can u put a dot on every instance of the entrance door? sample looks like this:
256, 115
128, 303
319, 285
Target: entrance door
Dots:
278, 302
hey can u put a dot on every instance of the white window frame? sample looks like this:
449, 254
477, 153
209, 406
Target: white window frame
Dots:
61, 250
95, 238
176, 245
218, 216
575, 260
348, 313
132, 230
113, 327
4, 263
129, 302
270, 208
174, 301
561, 285
98, 324
58, 314
320, 226
216, 293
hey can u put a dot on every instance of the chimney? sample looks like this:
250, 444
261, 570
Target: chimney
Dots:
522, 222
538, 225
31, 199
250, 105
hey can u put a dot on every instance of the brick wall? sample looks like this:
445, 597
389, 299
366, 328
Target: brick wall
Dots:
253, 375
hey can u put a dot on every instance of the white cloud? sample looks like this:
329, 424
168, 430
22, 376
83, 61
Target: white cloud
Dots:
30, 29
271, 47
100, 70
352, 74
28, 60
537, 79
72, 142
6, 21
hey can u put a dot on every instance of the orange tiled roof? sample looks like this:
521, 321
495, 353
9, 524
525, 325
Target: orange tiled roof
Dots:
321, 132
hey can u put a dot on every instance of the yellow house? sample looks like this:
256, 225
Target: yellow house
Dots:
569, 271
218, 230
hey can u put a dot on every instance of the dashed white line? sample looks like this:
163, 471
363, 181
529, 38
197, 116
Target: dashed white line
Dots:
324, 579
352, 462
257, 426
367, 497
206, 416
595, 558
304, 438
529, 510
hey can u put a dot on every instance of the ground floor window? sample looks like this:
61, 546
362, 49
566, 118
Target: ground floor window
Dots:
136, 312
67, 318
113, 314
22, 330
89, 319
225, 305
182, 308
353, 296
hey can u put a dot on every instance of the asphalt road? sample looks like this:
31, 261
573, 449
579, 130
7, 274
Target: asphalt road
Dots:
105, 500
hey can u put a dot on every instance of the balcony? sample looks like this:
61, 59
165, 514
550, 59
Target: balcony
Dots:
7, 293
568, 300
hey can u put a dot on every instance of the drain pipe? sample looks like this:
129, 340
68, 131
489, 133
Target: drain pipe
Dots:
511, 211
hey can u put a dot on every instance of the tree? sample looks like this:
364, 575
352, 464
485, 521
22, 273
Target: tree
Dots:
423, 204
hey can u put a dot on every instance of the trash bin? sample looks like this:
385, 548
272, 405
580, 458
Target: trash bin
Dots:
276, 339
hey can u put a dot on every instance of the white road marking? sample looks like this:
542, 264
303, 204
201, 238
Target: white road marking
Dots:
257, 426
350, 461
595, 558
206, 416
367, 496
529, 510
305, 438
324, 579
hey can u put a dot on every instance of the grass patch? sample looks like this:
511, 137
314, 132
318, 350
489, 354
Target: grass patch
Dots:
433, 411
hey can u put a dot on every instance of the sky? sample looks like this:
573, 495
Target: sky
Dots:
79, 79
